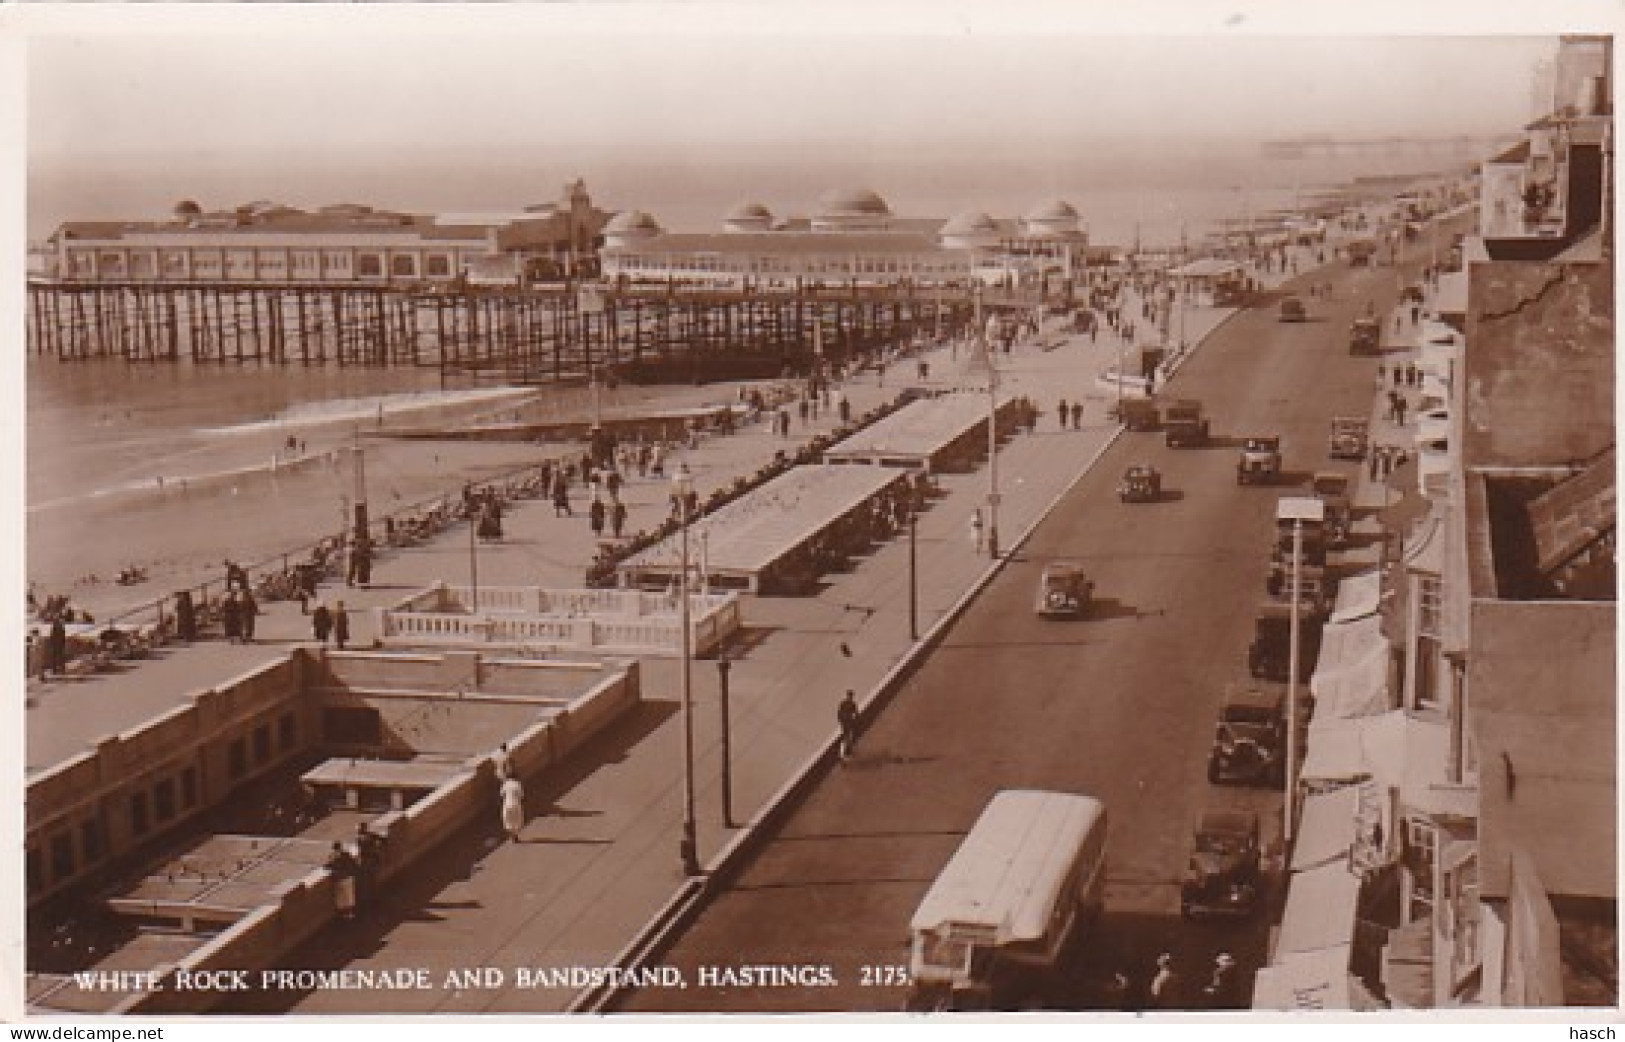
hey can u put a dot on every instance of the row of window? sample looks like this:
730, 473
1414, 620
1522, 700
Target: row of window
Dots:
260, 264
153, 805
782, 266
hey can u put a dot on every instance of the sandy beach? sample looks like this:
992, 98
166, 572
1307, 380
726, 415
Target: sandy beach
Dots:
242, 494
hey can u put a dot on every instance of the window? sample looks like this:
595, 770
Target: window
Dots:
90, 840
403, 266
138, 813
369, 265
437, 266
164, 796
262, 744
237, 758
62, 855
1428, 588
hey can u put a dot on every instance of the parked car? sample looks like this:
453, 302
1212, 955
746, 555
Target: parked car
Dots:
1224, 873
1140, 484
1183, 424
1350, 437
1332, 489
1064, 591
1365, 335
1269, 654
1137, 414
1249, 741
1292, 310
1260, 460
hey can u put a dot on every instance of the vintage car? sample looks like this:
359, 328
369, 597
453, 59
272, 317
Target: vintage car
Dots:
1137, 414
1183, 424
1292, 310
1260, 460
1332, 488
1224, 874
1365, 335
1269, 654
1349, 438
1063, 591
1249, 741
1140, 484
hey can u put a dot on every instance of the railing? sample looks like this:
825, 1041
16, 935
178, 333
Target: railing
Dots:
612, 621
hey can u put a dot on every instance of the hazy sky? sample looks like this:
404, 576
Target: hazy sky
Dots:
506, 83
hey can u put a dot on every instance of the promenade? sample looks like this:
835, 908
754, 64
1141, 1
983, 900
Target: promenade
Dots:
599, 853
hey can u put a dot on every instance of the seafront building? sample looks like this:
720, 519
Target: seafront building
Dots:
1460, 792
851, 238
271, 243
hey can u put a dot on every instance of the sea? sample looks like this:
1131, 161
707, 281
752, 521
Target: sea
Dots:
168, 465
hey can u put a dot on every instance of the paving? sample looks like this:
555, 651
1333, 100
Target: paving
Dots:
599, 855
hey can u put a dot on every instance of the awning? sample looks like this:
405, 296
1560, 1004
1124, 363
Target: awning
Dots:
1305, 981
1319, 912
1351, 675
1357, 596
1424, 550
1451, 298
1327, 828
1394, 750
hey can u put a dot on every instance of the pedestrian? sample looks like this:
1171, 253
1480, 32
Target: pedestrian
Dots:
321, 623
1061, 410
369, 854
231, 616
1387, 461
561, 498
846, 714
613, 483
976, 528
1400, 405
1382, 374
1077, 416
801, 410
1372, 463
185, 616
1413, 374
1221, 988
236, 576
341, 625
502, 762
843, 407
617, 518
342, 864
1164, 984
56, 648
250, 611
1399, 374
596, 516
513, 808
1416, 314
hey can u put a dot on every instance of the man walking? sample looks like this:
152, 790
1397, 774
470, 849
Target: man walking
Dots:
321, 623
976, 528
847, 716
341, 625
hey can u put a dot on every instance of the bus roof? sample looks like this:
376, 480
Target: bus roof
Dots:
1008, 871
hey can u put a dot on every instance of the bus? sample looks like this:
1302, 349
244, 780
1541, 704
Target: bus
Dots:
1005, 909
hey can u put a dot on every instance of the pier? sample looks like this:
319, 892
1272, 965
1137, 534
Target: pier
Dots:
544, 334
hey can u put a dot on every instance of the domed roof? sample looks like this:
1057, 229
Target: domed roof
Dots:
852, 202
971, 222
749, 212
634, 221
1054, 210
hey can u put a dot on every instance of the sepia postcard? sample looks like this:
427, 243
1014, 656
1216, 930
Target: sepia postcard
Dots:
906, 512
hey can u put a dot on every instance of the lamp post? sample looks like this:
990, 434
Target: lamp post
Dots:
913, 576
723, 666
473, 560
1291, 773
688, 846
985, 352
